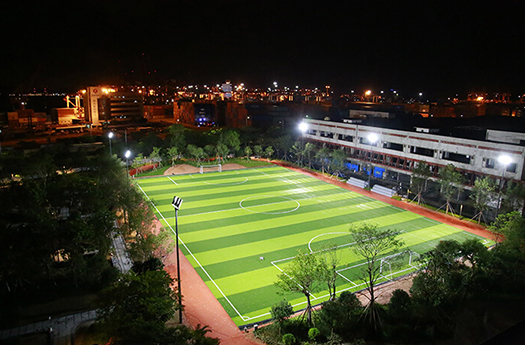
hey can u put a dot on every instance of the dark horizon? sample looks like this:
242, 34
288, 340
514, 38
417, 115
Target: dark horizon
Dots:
437, 49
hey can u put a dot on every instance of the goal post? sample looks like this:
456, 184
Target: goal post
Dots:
398, 263
210, 168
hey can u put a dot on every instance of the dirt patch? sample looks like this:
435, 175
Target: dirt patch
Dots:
181, 169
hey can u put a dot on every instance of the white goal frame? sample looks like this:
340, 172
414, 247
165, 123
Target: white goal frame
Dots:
386, 266
202, 167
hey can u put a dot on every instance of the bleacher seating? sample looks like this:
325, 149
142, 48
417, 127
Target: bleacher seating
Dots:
356, 182
389, 192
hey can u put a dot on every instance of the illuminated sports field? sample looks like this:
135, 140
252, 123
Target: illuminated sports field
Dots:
229, 220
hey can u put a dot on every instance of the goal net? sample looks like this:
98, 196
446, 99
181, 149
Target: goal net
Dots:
398, 264
210, 168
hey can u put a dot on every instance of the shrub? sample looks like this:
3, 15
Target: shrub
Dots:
313, 333
288, 339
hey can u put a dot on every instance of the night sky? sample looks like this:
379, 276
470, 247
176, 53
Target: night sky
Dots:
424, 46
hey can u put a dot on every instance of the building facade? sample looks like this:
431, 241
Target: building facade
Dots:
398, 151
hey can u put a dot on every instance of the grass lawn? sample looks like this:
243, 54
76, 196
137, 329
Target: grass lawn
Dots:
230, 220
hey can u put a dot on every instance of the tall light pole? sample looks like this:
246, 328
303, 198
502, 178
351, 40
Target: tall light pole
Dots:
505, 160
303, 127
110, 136
176, 205
127, 155
372, 139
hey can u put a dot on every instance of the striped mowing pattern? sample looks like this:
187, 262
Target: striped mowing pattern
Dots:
229, 220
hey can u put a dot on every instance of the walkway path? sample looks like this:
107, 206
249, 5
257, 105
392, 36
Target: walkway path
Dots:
60, 329
202, 308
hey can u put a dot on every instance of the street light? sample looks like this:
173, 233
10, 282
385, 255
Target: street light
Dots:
110, 136
176, 205
127, 155
504, 160
372, 139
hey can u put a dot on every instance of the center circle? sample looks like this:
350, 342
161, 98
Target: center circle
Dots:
269, 204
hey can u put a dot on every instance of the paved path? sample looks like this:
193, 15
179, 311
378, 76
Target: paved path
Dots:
61, 329
202, 308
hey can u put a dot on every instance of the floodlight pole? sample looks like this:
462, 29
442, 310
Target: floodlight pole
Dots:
372, 138
176, 205
502, 183
127, 154
505, 160
110, 135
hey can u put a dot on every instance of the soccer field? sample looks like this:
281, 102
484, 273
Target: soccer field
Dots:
229, 221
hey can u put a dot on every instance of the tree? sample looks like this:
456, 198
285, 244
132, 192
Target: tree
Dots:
248, 152
231, 139
509, 253
173, 152
297, 150
370, 243
302, 275
420, 176
258, 150
482, 194
511, 228
340, 316
210, 151
329, 259
196, 152
513, 197
339, 158
450, 181
177, 137
268, 152
285, 143
136, 308
281, 312
309, 151
323, 156
222, 151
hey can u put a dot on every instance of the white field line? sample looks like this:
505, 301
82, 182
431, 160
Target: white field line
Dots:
197, 261
485, 241
173, 181
238, 208
261, 172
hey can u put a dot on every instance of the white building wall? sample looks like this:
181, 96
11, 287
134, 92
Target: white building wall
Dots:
479, 151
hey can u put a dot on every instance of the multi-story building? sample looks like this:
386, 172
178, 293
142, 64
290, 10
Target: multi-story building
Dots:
394, 153
105, 105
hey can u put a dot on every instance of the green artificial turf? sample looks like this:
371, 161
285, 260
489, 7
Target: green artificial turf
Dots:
229, 220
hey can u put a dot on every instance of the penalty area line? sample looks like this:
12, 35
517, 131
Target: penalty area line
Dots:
193, 256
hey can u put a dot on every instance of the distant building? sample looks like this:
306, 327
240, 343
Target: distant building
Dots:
25, 118
158, 112
104, 105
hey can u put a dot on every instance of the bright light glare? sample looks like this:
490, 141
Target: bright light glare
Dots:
368, 92
505, 159
110, 135
303, 126
128, 153
372, 138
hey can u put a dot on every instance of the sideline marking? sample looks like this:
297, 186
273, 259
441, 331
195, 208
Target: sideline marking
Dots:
173, 181
193, 256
